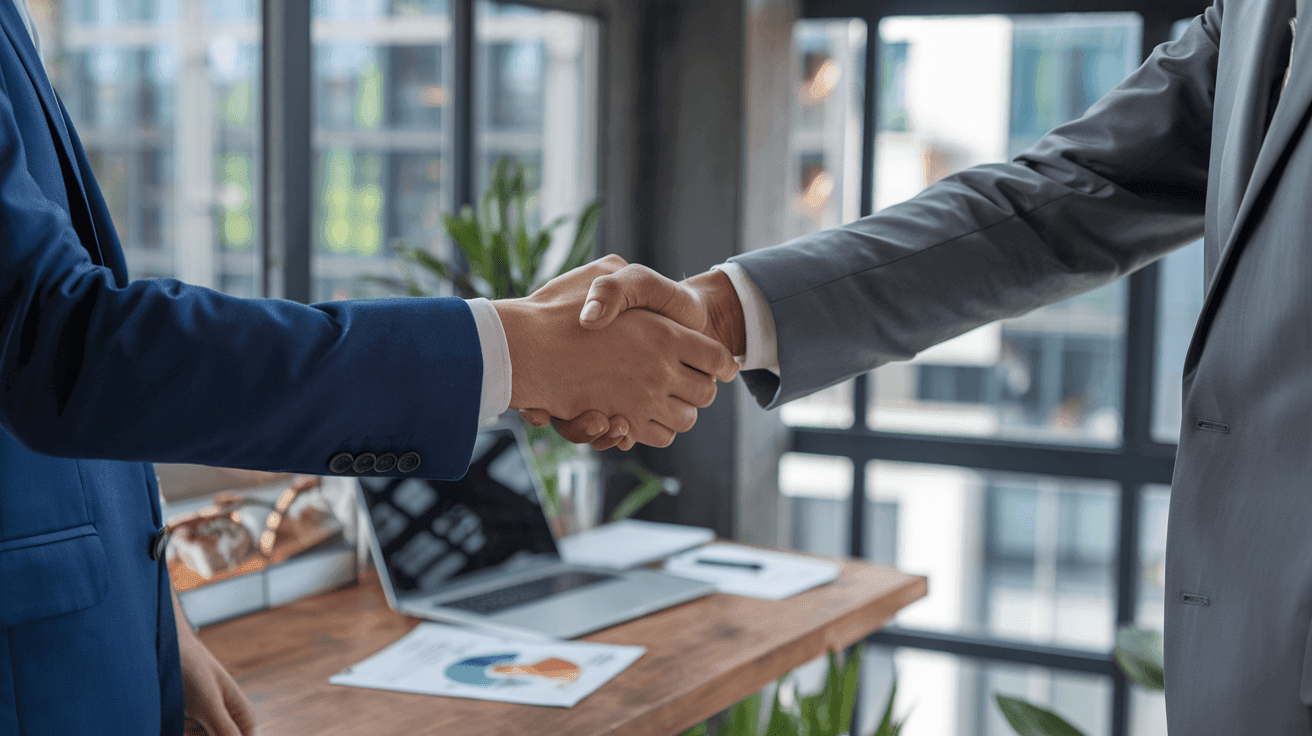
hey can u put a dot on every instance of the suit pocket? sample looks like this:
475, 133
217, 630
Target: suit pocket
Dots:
51, 574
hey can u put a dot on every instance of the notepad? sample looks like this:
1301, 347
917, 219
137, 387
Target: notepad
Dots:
752, 572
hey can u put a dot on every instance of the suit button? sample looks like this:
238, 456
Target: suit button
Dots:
159, 544
385, 462
364, 462
341, 462
408, 462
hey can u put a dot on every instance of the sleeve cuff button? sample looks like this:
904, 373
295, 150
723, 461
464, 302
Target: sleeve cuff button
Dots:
408, 462
341, 462
364, 462
385, 463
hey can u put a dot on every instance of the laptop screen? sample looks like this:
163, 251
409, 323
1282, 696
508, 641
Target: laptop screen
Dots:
435, 533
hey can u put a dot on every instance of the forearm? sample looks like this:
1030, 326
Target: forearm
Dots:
1095, 200
163, 371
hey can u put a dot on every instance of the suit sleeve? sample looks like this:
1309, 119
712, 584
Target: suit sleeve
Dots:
1094, 200
158, 370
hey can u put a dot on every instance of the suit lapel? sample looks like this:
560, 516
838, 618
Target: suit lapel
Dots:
36, 72
1287, 125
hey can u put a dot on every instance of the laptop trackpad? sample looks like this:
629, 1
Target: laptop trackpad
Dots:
498, 600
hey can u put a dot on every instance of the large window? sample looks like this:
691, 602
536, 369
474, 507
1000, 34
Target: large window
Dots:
166, 99
166, 96
1024, 466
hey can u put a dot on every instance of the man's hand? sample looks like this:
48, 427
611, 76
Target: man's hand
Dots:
646, 367
706, 302
213, 699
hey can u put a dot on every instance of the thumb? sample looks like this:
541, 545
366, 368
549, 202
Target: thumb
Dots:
638, 287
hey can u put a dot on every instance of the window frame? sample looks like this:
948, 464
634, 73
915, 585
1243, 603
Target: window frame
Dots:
287, 127
1138, 461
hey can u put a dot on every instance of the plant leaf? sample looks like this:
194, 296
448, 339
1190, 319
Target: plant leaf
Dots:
1031, 720
886, 725
812, 711
849, 678
1138, 652
584, 238
441, 270
782, 723
499, 273
637, 498
468, 237
743, 719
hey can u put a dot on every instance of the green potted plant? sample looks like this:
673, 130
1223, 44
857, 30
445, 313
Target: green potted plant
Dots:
504, 259
827, 712
1138, 653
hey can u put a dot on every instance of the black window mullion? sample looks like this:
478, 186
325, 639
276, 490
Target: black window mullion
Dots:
285, 219
462, 104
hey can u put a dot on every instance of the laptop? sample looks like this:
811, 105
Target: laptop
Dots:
479, 551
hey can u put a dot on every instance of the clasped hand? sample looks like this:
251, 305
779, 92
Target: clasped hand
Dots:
640, 379
629, 362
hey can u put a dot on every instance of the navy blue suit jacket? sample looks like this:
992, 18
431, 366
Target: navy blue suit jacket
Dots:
99, 377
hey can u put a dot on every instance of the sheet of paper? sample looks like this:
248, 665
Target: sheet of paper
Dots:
752, 572
445, 660
628, 543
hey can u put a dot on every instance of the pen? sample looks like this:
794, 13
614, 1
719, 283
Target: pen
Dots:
753, 566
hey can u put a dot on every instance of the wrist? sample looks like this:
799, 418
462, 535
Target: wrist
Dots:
525, 324
511, 312
725, 320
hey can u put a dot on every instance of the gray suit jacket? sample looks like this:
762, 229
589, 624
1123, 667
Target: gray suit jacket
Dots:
1182, 148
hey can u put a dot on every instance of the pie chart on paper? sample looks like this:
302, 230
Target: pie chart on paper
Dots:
474, 670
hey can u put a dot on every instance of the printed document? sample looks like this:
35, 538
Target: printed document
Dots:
434, 659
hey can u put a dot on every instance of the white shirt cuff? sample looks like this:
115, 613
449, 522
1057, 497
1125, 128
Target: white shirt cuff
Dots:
762, 348
495, 398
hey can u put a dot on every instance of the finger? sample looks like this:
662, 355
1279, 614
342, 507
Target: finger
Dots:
707, 355
611, 262
619, 427
537, 417
218, 722
657, 434
239, 707
583, 428
636, 286
694, 387
627, 443
674, 413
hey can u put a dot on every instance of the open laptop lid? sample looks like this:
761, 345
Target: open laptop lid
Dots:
431, 535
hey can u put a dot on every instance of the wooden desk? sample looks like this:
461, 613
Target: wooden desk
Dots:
702, 657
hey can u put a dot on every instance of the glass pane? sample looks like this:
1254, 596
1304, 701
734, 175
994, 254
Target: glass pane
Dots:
1179, 302
945, 695
1147, 713
381, 138
825, 151
165, 97
1154, 503
536, 102
1023, 557
819, 492
962, 91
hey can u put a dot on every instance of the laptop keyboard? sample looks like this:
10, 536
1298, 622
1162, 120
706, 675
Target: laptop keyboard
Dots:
533, 590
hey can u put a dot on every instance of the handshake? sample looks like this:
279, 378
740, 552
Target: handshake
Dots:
615, 354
